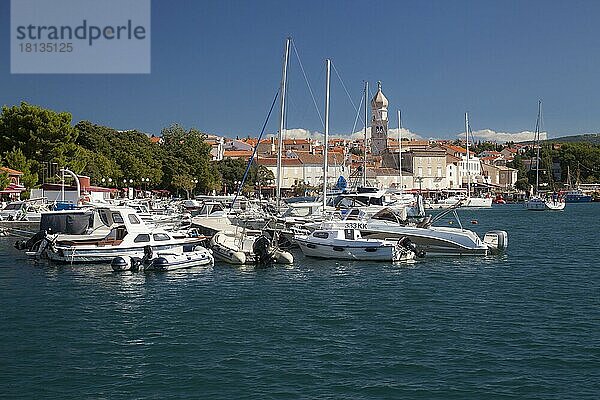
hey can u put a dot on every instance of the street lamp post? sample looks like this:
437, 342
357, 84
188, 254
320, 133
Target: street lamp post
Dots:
419, 179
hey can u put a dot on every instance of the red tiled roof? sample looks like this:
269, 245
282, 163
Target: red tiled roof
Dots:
456, 149
237, 153
11, 171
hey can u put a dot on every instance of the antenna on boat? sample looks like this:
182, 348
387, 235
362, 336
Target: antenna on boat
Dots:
327, 81
282, 118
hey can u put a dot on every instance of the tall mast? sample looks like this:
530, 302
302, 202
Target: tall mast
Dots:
364, 168
328, 64
468, 160
282, 118
400, 148
537, 143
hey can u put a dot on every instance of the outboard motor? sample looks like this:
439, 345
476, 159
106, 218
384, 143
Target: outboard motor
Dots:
497, 241
262, 250
28, 244
408, 244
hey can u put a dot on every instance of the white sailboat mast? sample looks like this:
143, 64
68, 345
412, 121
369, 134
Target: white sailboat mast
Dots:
282, 93
400, 148
364, 169
537, 145
325, 145
468, 158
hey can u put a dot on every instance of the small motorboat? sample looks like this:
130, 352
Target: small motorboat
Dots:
195, 256
248, 247
348, 244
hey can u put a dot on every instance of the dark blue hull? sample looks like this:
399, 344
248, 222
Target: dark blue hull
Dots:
578, 199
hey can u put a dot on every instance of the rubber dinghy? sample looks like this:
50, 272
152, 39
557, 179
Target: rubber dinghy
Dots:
170, 260
248, 247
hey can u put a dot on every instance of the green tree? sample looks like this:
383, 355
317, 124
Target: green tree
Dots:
15, 159
231, 170
4, 180
523, 185
34, 130
186, 153
185, 182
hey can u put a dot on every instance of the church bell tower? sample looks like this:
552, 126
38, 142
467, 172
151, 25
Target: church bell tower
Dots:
379, 122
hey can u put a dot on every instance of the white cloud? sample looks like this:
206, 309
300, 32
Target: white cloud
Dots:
501, 137
484, 134
392, 133
301, 133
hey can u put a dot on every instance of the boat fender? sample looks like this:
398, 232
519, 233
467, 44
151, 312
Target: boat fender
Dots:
120, 263
159, 264
474, 221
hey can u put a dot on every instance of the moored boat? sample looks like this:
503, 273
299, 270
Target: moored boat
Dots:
128, 235
248, 247
174, 259
348, 244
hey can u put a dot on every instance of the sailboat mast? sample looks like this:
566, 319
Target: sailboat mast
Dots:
325, 145
400, 149
364, 169
537, 145
282, 119
468, 157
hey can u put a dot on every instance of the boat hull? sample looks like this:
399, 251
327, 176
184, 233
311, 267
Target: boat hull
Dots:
99, 254
171, 262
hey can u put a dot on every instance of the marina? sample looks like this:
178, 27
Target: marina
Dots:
314, 323
299, 200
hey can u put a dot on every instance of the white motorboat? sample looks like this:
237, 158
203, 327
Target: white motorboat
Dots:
479, 202
248, 247
348, 244
24, 210
174, 259
433, 240
128, 236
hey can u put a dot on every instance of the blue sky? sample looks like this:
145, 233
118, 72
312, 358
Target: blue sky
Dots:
217, 64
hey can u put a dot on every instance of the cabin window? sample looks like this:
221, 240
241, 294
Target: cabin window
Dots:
160, 237
321, 235
142, 238
117, 218
133, 219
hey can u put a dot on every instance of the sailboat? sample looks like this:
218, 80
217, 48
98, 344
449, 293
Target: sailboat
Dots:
536, 202
575, 194
472, 201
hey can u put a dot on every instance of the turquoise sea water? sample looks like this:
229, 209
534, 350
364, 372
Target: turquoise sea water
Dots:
525, 325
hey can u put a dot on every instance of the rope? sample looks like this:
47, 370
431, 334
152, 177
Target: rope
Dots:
307, 83
357, 113
345, 89
255, 150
